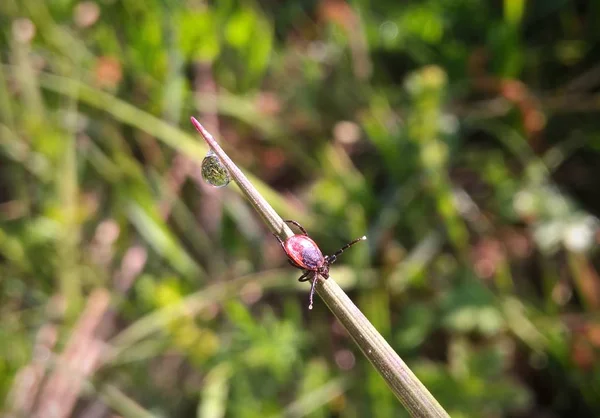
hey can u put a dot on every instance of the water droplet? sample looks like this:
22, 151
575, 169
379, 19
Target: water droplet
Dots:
213, 171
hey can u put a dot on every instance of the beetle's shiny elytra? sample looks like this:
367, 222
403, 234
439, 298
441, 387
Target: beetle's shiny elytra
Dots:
305, 254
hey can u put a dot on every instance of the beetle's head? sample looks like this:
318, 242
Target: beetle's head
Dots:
324, 271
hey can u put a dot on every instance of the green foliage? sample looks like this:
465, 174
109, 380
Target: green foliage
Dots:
460, 136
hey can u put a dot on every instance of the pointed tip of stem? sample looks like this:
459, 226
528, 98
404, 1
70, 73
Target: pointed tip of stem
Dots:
212, 143
199, 126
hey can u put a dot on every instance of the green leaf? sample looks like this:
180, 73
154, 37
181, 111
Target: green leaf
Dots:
240, 28
198, 35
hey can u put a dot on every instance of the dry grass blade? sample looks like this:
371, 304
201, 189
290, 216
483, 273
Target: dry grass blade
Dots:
401, 380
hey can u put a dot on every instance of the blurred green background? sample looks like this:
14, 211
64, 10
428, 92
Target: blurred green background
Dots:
462, 137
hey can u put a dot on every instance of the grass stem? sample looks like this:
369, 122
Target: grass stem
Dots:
402, 381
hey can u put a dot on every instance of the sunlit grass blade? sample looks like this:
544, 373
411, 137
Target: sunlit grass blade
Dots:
401, 380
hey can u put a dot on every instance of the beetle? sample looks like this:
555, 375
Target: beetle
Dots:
304, 254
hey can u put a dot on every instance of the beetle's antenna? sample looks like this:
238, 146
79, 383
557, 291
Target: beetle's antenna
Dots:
312, 291
332, 258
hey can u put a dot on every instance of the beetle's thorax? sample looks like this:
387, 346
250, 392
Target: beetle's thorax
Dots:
304, 252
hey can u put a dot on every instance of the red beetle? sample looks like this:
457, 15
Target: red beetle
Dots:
305, 254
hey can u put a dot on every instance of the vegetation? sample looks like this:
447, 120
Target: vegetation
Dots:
460, 136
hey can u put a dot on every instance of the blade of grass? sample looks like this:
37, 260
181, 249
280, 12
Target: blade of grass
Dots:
27, 80
315, 399
124, 405
132, 116
401, 380
6, 111
189, 306
67, 185
214, 393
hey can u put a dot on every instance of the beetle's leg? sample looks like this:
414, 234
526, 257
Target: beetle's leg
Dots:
283, 247
332, 258
298, 225
294, 264
278, 239
312, 290
304, 276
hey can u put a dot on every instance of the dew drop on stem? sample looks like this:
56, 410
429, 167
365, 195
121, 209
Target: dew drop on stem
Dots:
213, 171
